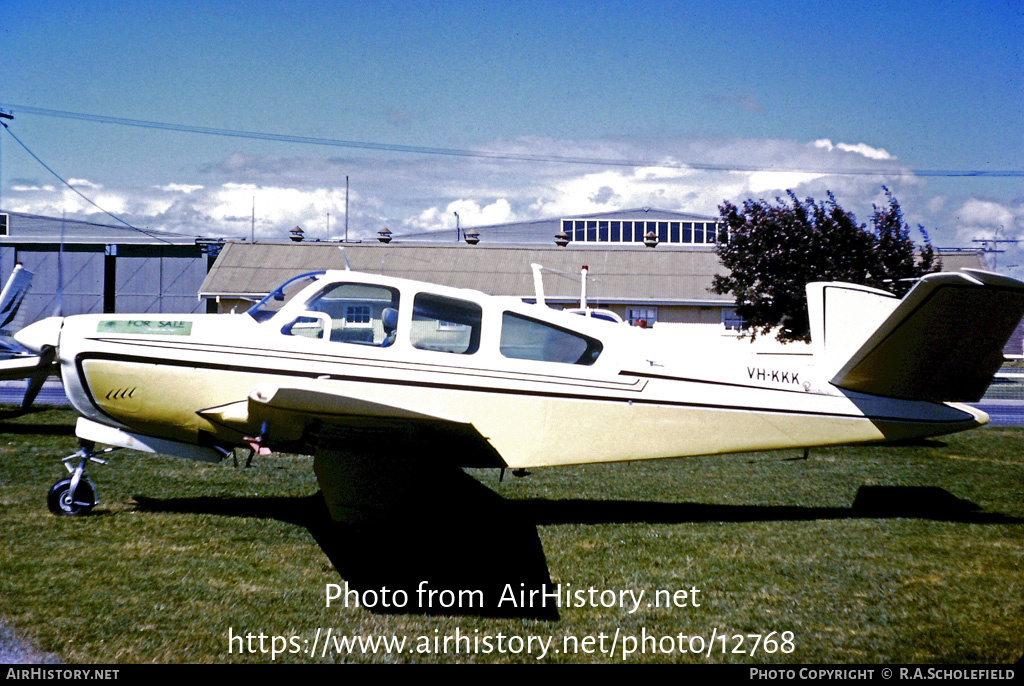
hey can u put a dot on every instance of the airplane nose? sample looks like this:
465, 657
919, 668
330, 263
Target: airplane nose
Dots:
42, 333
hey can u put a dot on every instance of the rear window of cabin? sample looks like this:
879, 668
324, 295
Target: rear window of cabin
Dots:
523, 338
445, 325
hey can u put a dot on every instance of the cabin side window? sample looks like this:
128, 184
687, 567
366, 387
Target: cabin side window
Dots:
351, 313
445, 324
523, 338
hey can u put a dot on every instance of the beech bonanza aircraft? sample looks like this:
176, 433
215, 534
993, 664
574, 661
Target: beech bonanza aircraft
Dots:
334, 361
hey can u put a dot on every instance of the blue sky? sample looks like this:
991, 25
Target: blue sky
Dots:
895, 87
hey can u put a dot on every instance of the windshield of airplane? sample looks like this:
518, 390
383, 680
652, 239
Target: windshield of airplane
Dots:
268, 307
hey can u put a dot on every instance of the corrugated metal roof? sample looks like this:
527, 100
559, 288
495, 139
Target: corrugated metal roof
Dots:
33, 228
634, 275
639, 274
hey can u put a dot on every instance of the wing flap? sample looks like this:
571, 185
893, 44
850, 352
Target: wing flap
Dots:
330, 420
942, 343
313, 401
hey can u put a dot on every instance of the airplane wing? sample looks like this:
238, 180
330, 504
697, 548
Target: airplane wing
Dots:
336, 421
34, 368
17, 366
943, 342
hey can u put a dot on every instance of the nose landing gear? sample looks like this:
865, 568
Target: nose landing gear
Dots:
68, 498
76, 495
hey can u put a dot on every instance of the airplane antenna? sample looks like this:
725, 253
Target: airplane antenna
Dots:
583, 286
538, 283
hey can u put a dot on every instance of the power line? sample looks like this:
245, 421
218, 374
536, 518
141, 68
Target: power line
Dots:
495, 155
78, 192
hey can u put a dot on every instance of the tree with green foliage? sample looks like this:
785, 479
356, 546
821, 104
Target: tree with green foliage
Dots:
898, 270
772, 251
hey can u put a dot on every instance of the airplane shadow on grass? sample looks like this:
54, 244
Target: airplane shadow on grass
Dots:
871, 502
438, 526
444, 528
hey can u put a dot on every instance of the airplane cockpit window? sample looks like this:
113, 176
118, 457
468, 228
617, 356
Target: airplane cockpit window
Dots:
445, 324
307, 327
268, 307
528, 339
366, 314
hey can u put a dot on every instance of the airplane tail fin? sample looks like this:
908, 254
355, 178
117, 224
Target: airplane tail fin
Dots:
942, 342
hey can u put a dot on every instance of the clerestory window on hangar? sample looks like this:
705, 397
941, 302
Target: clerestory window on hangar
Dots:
638, 230
628, 228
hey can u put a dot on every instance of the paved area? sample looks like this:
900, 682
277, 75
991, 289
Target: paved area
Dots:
1003, 412
52, 393
14, 651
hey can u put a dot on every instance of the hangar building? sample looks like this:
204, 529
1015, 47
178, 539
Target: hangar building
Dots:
664, 285
104, 268
108, 268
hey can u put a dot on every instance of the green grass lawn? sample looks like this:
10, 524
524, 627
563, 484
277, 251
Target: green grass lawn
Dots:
866, 554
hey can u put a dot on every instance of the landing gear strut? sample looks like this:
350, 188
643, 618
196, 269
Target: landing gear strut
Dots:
77, 494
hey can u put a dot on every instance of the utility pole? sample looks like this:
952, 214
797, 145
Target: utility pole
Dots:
346, 208
3, 115
991, 245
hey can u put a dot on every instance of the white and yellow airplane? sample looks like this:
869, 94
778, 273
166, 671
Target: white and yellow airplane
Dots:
337, 363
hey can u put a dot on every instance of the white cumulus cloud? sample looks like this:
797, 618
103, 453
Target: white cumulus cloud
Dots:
179, 188
471, 213
411, 193
862, 149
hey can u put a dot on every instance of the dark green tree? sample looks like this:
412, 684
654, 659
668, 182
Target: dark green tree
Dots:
773, 251
897, 267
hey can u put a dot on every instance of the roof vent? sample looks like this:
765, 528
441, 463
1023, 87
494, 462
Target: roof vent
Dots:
384, 235
561, 239
297, 234
472, 236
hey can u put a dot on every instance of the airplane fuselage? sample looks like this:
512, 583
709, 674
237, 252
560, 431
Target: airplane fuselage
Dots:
535, 386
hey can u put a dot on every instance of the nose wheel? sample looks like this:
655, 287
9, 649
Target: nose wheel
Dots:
76, 495
65, 500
